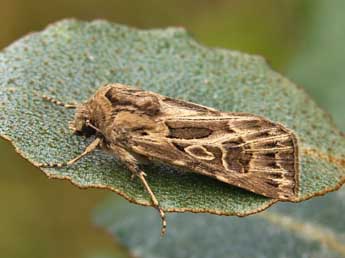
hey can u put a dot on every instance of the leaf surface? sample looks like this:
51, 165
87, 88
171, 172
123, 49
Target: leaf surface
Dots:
312, 229
70, 60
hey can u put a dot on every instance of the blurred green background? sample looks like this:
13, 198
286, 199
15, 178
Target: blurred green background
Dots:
50, 218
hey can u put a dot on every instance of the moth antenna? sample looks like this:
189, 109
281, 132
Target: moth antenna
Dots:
88, 123
59, 103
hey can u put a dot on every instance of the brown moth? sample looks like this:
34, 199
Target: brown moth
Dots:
241, 149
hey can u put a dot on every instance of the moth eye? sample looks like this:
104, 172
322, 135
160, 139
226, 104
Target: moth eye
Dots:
87, 131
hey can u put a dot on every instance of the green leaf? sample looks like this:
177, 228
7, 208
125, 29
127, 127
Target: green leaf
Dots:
312, 229
71, 59
319, 65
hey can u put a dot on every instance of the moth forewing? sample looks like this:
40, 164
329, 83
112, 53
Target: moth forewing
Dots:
240, 149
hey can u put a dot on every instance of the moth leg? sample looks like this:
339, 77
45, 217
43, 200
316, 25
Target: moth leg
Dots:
59, 103
90, 148
141, 161
132, 164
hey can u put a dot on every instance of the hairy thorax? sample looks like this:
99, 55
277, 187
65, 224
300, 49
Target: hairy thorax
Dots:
119, 115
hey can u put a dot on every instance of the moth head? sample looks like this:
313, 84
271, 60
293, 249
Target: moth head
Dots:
81, 124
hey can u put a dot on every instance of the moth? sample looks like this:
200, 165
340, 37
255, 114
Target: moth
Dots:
240, 149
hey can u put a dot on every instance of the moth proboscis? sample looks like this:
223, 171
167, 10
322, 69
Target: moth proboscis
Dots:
241, 149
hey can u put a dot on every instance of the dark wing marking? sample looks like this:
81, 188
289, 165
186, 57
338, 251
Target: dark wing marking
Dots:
127, 98
244, 150
124, 97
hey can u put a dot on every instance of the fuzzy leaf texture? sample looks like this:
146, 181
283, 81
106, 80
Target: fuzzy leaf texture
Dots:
70, 60
313, 229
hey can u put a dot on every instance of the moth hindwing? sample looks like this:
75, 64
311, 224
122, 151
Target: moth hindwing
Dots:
241, 149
